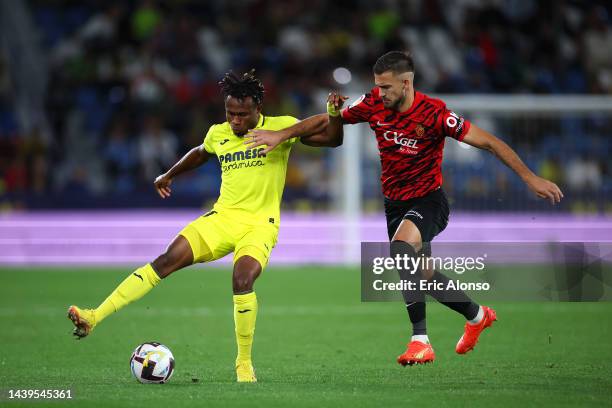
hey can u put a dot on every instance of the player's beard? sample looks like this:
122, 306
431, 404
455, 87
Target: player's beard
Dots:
398, 103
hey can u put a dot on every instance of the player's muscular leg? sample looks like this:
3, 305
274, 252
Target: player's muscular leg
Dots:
135, 286
454, 299
178, 255
408, 232
246, 270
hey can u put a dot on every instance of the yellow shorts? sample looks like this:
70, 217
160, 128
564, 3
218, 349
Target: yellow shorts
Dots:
216, 234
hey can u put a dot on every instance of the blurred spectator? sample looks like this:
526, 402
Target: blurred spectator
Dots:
120, 158
598, 44
145, 20
149, 60
551, 170
102, 27
584, 174
157, 148
16, 177
35, 151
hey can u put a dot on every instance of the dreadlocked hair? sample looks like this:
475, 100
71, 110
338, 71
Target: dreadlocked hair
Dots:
241, 87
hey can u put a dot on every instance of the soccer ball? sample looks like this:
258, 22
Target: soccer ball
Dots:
152, 363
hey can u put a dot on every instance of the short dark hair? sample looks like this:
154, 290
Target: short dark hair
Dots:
242, 86
396, 61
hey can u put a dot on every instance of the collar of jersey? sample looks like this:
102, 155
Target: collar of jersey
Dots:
260, 122
417, 98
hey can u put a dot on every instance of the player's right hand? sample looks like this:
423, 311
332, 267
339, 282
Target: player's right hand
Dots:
545, 189
335, 101
262, 137
162, 185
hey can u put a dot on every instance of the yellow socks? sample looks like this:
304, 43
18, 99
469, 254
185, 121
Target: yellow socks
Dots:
132, 288
245, 313
143, 279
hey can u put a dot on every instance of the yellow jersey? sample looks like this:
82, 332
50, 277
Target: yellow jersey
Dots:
251, 183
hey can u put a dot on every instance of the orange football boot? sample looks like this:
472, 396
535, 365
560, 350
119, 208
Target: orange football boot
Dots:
471, 332
84, 321
417, 353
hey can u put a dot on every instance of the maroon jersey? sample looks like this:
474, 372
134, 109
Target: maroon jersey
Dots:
410, 143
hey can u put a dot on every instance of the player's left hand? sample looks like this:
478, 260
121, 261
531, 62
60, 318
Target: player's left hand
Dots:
261, 137
545, 189
335, 101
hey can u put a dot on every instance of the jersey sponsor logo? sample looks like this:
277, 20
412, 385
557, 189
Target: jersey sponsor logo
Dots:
241, 159
408, 144
460, 127
452, 120
241, 165
455, 122
242, 155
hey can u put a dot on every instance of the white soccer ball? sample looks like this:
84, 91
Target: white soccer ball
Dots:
152, 363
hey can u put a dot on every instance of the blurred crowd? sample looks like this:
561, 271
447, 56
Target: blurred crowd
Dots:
132, 86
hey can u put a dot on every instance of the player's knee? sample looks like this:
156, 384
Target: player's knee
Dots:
399, 247
164, 265
242, 282
427, 273
402, 250
407, 254
246, 271
178, 255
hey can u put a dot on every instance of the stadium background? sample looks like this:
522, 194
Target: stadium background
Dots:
99, 97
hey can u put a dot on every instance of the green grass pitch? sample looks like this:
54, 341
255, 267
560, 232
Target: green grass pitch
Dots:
315, 345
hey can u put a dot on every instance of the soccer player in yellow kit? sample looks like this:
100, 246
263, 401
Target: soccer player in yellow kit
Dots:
244, 220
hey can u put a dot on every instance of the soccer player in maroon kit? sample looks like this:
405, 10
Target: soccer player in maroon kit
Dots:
410, 130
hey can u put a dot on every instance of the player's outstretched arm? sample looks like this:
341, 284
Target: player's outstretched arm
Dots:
323, 130
540, 186
194, 158
273, 138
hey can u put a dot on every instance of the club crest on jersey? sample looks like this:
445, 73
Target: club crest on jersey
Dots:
419, 130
